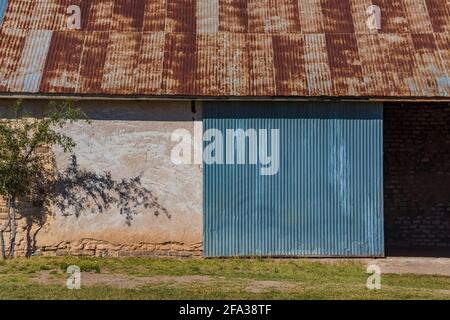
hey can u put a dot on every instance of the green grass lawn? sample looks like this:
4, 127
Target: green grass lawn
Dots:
143, 278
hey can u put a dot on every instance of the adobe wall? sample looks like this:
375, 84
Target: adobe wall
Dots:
129, 139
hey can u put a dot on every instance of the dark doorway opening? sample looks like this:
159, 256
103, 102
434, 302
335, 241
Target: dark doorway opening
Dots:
417, 179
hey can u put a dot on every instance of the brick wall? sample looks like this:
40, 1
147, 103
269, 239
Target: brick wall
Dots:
417, 175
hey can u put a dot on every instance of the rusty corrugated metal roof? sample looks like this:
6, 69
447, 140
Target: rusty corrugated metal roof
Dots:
261, 48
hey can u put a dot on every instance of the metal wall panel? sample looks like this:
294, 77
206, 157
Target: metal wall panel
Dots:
327, 198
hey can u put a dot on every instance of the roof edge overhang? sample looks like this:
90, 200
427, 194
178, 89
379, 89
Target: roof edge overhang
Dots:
221, 98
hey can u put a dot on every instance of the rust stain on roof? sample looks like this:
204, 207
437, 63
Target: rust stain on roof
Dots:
99, 17
63, 61
337, 16
234, 69
154, 15
439, 11
207, 76
128, 15
289, 63
179, 64
263, 48
121, 62
93, 60
181, 16
388, 65
417, 15
393, 16
151, 64
261, 59
345, 64
233, 16
12, 44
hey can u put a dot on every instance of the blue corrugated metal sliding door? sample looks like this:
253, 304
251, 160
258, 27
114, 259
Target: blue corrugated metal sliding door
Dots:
293, 179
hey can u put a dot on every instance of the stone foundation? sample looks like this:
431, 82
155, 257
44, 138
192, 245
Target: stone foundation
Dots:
95, 248
27, 234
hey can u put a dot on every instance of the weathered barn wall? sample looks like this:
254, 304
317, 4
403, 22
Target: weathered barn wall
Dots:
129, 140
133, 139
417, 175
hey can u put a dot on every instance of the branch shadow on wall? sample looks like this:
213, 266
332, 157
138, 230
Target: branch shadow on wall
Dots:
75, 191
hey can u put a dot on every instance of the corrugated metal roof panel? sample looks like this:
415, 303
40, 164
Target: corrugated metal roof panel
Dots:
30, 70
233, 16
289, 64
128, 15
234, 72
207, 78
121, 62
207, 16
49, 15
181, 16
12, 44
179, 64
388, 65
439, 12
3, 5
227, 48
443, 44
345, 64
393, 16
61, 72
262, 74
149, 75
317, 66
337, 16
417, 13
429, 69
154, 16
93, 62
100, 15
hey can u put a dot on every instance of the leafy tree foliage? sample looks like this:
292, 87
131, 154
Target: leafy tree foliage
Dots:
22, 166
